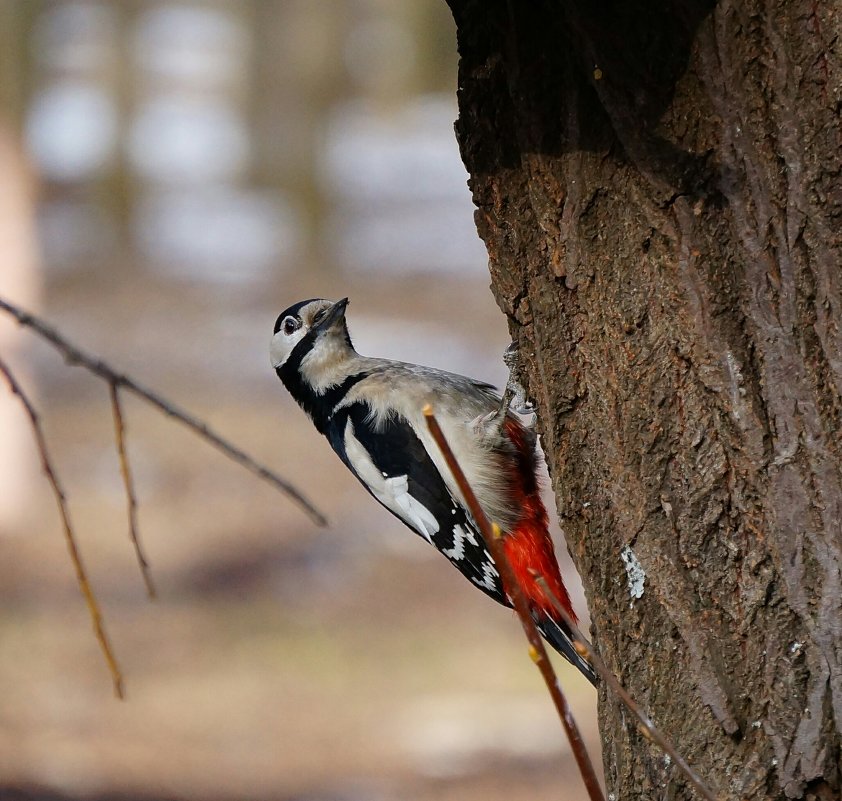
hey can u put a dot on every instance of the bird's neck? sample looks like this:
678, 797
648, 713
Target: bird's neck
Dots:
320, 378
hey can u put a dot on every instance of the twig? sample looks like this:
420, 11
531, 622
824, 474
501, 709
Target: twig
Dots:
128, 483
75, 556
645, 725
74, 355
491, 535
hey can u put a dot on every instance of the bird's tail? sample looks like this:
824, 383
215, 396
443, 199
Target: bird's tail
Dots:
555, 633
530, 554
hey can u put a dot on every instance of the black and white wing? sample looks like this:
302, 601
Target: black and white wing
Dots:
393, 465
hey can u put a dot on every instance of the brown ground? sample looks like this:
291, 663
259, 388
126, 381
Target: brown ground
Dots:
281, 661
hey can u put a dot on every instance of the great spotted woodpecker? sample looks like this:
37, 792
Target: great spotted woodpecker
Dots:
370, 410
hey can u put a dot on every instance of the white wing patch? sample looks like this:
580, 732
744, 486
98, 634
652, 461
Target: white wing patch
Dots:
393, 492
412, 511
459, 536
489, 576
458, 549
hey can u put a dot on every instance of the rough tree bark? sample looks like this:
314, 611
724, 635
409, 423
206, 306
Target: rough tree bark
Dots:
660, 191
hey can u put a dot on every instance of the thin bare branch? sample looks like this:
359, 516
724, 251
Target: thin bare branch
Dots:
74, 355
647, 728
128, 483
492, 537
75, 556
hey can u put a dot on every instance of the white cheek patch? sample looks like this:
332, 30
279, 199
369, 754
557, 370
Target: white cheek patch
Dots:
393, 492
280, 346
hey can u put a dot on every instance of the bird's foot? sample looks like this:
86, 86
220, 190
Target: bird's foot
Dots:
515, 395
488, 426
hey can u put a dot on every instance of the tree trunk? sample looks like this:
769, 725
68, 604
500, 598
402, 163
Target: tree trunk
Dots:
660, 192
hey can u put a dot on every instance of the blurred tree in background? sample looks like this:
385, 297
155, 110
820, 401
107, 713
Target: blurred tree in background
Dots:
226, 140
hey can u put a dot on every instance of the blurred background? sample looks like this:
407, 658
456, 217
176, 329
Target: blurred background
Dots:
173, 175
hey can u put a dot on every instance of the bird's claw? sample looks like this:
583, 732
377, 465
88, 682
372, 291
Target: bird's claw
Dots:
515, 395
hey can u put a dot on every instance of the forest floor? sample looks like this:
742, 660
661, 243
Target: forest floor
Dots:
280, 660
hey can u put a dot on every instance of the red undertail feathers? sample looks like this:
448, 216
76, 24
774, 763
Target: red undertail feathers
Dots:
528, 544
530, 552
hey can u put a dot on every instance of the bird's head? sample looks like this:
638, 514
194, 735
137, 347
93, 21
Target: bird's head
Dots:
311, 336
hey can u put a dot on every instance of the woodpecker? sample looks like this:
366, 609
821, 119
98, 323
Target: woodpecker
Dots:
370, 410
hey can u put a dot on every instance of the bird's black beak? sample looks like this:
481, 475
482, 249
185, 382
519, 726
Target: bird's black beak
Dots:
336, 313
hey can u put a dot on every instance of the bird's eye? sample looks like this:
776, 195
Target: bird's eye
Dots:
289, 325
